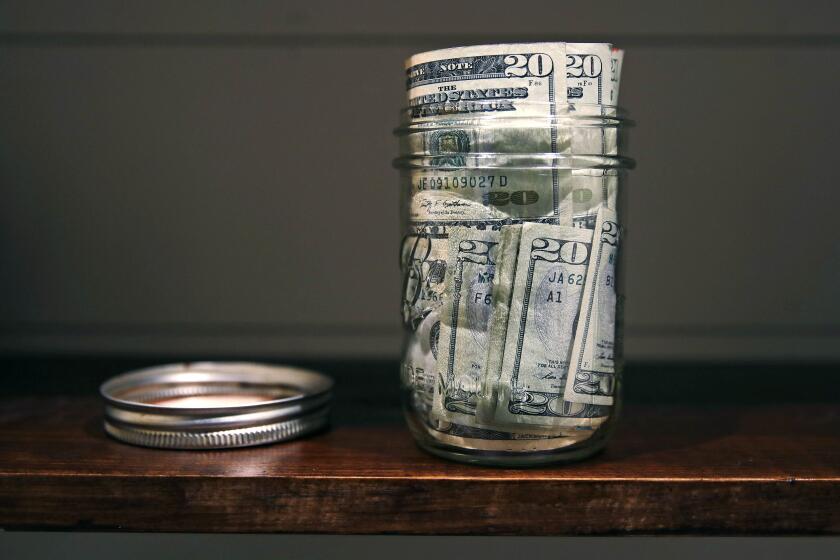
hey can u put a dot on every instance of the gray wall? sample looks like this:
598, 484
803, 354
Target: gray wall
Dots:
214, 177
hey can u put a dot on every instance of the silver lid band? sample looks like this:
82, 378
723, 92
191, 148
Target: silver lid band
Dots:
212, 405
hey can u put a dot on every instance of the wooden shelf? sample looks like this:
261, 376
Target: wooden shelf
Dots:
688, 469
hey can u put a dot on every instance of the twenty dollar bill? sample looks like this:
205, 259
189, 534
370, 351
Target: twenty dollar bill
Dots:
592, 370
547, 288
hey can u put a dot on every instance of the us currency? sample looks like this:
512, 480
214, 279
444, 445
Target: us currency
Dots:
593, 136
497, 440
462, 188
500, 196
548, 283
456, 85
479, 197
504, 80
592, 369
513, 81
598, 139
467, 288
464, 317
592, 189
423, 264
528, 78
570, 134
616, 62
503, 282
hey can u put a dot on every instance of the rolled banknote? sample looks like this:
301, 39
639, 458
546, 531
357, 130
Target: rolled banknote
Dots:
616, 61
493, 197
559, 95
548, 283
482, 196
423, 262
503, 286
592, 368
470, 84
526, 78
508, 295
570, 134
464, 319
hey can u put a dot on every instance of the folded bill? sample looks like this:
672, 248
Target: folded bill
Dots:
509, 265
487, 197
529, 78
423, 262
554, 92
592, 370
464, 337
548, 283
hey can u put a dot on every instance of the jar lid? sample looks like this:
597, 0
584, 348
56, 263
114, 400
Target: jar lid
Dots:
213, 405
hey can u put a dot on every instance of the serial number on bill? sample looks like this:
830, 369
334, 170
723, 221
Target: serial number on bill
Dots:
467, 182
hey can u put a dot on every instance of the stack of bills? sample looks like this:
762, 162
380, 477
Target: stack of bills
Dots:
509, 256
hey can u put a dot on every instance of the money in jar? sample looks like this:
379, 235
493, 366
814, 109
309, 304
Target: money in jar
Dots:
512, 179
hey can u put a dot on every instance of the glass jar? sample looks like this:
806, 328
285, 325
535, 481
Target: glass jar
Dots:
511, 282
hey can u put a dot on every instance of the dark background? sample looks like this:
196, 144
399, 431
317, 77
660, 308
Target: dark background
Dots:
212, 179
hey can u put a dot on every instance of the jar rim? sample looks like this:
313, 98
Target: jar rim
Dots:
491, 113
491, 160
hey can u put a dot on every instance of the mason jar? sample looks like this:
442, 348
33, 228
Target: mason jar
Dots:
511, 282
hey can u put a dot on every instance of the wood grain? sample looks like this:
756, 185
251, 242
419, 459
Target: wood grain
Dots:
675, 470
